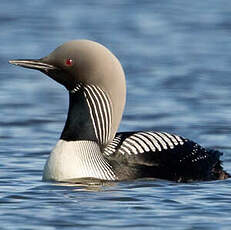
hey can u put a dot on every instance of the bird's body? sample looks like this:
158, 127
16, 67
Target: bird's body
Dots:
134, 155
89, 146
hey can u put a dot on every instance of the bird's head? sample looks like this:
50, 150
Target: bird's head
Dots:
88, 63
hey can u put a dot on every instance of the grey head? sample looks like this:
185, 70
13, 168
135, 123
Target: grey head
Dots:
88, 67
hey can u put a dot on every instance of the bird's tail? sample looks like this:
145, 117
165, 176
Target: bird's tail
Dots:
217, 172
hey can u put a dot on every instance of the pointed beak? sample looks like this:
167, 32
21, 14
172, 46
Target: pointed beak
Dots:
37, 64
52, 71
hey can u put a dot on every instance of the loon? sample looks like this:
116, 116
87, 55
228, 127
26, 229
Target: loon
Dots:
90, 147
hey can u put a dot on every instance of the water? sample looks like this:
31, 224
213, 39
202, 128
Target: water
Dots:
177, 61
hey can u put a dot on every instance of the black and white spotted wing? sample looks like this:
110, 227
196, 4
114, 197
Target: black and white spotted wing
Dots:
100, 112
130, 143
163, 155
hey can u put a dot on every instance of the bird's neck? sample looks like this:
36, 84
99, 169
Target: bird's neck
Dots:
79, 124
79, 152
89, 116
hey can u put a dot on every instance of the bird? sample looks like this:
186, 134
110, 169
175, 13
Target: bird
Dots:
91, 147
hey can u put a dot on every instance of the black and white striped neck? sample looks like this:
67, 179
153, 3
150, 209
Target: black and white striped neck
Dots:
89, 116
78, 125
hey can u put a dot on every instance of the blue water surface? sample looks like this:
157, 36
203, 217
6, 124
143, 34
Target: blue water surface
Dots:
177, 58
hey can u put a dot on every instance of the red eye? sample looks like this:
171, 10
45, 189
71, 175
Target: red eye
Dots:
69, 62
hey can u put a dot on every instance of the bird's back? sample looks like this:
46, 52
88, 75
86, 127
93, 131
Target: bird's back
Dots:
162, 155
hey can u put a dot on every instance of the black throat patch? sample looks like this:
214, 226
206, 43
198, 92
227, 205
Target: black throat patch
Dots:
78, 125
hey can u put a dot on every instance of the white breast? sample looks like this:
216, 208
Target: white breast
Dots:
77, 159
